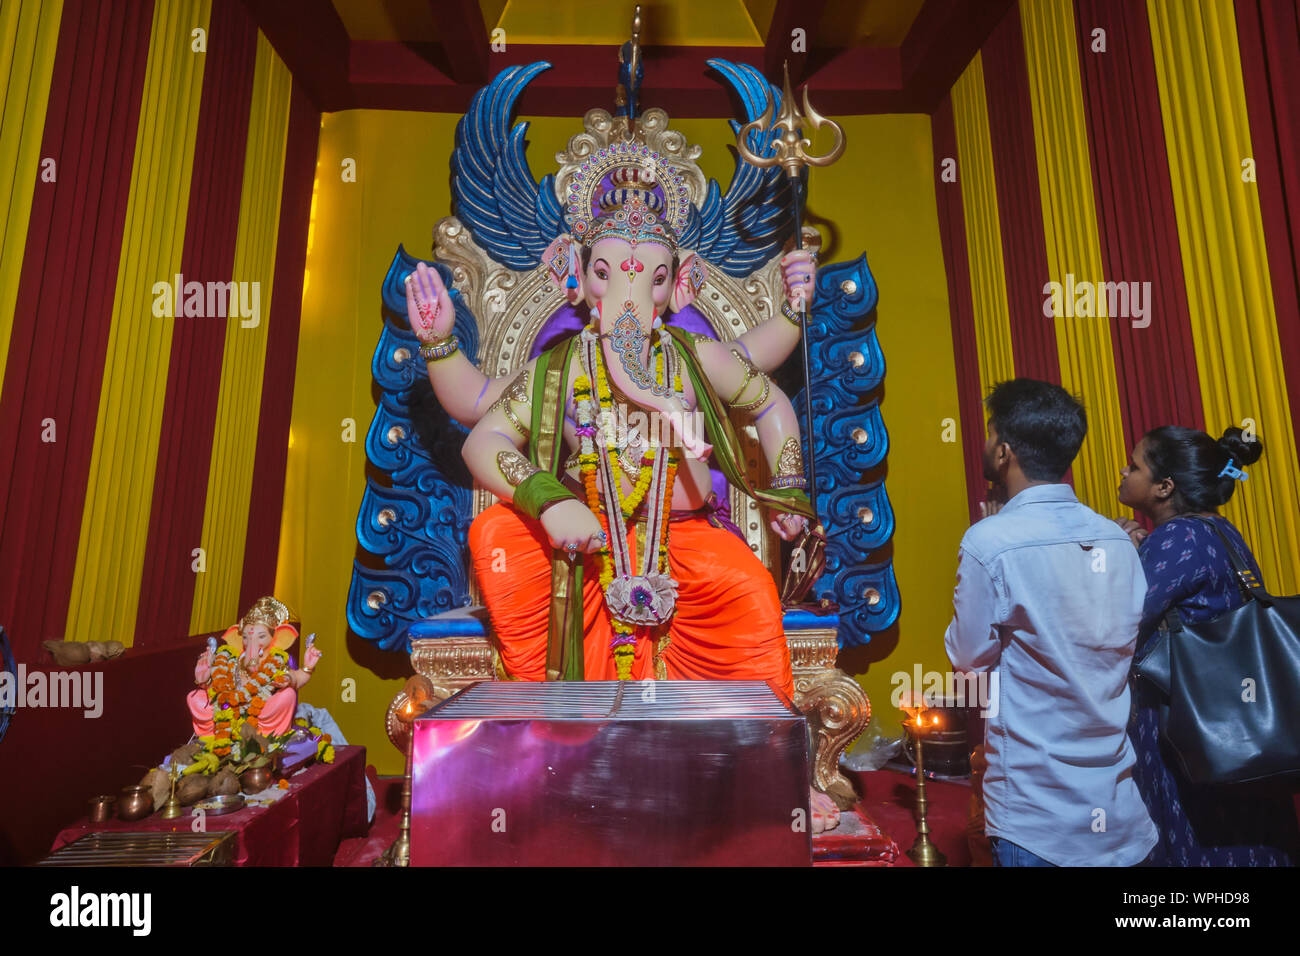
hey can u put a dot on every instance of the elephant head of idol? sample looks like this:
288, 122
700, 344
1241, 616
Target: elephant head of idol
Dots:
621, 257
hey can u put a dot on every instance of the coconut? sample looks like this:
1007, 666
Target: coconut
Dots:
97, 650
224, 782
160, 786
113, 649
183, 756
193, 788
67, 653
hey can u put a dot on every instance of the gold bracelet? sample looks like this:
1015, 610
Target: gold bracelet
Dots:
441, 349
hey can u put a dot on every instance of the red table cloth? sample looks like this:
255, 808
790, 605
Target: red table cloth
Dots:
325, 804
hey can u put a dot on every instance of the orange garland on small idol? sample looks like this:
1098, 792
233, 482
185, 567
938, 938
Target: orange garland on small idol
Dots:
233, 704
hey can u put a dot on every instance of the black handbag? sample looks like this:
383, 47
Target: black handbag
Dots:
1231, 685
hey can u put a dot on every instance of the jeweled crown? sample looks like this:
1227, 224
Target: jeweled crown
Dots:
268, 612
628, 191
631, 210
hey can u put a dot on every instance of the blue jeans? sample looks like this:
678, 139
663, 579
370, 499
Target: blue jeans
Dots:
1006, 853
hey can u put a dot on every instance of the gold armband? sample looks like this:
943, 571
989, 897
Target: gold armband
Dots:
516, 391
515, 468
751, 371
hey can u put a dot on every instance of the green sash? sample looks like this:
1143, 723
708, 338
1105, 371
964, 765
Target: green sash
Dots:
726, 444
550, 394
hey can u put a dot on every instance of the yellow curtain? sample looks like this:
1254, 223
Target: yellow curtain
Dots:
1229, 292
115, 519
29, 37
1083, 343
234, 443
979, 196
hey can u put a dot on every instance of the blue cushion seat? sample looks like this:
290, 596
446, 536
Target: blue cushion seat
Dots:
472, 621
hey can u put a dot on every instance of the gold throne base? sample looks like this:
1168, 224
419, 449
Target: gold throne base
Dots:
835, 705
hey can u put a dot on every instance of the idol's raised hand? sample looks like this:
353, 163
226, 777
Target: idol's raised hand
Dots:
799, 272
428, 306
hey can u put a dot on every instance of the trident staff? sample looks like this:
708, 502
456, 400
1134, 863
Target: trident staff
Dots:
792, 153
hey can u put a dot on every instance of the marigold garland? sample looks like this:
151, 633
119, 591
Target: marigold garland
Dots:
233, 706
623, 645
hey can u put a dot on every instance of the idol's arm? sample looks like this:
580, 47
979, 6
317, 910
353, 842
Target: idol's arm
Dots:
494, 453
770, 343
743, 386
461, 389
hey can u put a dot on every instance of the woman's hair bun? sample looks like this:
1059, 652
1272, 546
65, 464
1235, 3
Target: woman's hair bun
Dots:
1245, 451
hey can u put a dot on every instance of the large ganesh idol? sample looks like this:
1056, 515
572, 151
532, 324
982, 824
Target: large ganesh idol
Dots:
605, 335
605, 557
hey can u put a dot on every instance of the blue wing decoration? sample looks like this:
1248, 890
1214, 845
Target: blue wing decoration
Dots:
740, 231
509, 214
514, 218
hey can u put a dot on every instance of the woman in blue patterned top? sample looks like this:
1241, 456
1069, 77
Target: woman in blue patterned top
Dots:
1175, 473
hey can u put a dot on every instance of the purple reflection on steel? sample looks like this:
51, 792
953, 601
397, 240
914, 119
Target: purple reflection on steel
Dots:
606, 773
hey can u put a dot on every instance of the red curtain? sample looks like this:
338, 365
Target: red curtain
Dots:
194, 371
63, 311
1020, 210
1268, 32
952, 233
1155, 366
263, 540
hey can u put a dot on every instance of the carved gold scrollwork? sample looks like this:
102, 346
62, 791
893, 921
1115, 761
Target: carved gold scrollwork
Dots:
836, 707
450, 663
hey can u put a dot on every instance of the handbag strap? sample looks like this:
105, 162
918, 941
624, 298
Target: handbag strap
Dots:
1250, 584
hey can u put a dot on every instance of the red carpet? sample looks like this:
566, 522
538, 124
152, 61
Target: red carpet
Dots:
889, 798
364, 851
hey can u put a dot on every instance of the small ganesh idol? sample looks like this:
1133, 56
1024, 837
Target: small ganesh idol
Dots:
248, 678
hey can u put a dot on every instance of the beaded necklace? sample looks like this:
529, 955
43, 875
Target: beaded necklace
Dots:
648, 599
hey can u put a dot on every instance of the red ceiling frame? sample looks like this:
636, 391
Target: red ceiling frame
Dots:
340, 73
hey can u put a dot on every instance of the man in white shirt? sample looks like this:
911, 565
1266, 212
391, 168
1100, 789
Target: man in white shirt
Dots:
1049, 595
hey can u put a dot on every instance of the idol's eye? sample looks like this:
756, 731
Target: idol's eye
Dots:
660, 279
602, 274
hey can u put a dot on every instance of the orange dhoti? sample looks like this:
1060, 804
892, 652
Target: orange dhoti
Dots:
727, 625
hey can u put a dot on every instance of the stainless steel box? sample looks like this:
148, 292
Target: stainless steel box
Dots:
611, 773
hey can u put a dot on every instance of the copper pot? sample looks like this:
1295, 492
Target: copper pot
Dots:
136, 803
255, 780
101, 808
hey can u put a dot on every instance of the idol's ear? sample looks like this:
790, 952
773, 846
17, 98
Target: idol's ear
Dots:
564, 265
691, 276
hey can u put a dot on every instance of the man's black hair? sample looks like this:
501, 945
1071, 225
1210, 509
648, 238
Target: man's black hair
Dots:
1043, 423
